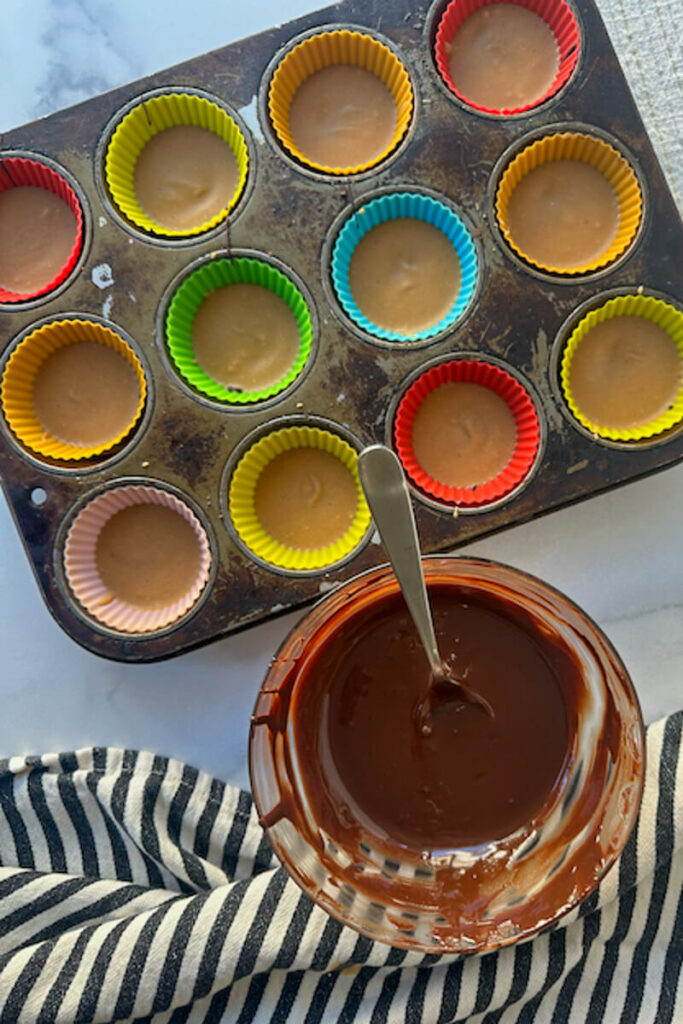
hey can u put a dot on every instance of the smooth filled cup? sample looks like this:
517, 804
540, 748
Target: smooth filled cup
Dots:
340, 102
73, 389
480, 830
137, 559
569, 204
404, 267
622, 369
506, 57
467, 432
295, 499
41, 229
238, 330
176, 165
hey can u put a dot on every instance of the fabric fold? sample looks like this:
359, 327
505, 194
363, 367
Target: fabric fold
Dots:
133, 886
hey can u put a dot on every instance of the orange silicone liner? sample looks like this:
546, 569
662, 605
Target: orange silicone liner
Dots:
590, 150
557, 15
487, 375
81, 571
16, 389
16, 172
341, 46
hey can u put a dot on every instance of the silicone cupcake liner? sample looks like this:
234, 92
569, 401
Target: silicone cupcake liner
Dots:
338, 47
145, 121
188, 298
596, 153
243, 487
81, 568
16, 390
520, 404
649, 308
403, 205
557, 15
16, 172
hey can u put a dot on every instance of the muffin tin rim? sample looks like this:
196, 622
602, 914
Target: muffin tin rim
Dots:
104, 137
160, 329
329, 241
250, 439
432, 20
128, 443
269, 132
59, 544
87, 229
555, 359
461, 355
508, 155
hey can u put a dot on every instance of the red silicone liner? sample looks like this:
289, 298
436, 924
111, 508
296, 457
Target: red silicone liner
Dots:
520, 404
557, 15
20, 171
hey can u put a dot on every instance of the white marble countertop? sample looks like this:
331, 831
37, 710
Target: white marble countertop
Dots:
618, 555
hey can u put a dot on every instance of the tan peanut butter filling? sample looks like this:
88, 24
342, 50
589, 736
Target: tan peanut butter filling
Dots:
306, 498
563, 214
245, 337
342, 116
404, 275
85, 394
463, 434
625, 372
37, 233
185, 176
148, 556
502, 57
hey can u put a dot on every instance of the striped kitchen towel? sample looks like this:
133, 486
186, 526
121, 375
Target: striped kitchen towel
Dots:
135, 888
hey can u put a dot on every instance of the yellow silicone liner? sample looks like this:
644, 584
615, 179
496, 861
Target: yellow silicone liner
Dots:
596, 153
243, 487
338, 47
649, 308
145, 121
16, 391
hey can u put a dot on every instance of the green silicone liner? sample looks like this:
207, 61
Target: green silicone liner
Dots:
189, 296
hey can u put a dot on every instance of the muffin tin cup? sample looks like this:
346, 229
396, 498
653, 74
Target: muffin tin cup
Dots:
17, 172
242, 489
189, 296
515, 396
16, 388
325, 49
657, 312
557, 15
597, 153
397, 205
83, 577
139, 126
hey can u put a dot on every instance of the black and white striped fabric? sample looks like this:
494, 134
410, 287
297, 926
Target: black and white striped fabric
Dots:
135, 888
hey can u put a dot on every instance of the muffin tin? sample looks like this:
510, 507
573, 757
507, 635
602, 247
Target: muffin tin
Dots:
188, 443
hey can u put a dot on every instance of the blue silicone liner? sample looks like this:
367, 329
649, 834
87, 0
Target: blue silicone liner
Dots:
389, 207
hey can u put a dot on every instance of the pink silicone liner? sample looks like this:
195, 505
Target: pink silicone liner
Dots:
520, 404
16, 172
81, 568
557, 15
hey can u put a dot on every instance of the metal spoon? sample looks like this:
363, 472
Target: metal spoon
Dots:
387, 495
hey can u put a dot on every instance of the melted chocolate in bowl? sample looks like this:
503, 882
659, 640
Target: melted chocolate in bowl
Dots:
485, 830
463, 782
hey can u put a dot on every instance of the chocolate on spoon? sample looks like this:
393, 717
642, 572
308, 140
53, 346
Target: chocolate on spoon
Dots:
387, 495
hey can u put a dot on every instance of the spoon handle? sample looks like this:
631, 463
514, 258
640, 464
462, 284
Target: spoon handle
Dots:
387, 495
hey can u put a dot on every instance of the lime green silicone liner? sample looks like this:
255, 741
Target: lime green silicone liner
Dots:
243, 489
649, 308
188, 298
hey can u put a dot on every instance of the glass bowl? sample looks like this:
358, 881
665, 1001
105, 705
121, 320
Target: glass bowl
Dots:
472, 899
